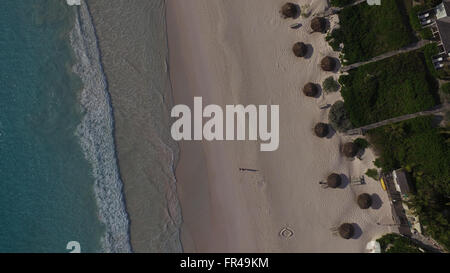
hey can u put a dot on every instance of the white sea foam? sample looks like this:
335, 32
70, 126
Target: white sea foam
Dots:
96, 134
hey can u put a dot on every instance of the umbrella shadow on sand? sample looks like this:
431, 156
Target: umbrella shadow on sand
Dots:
376, 201
309, 52
344, 181
331, 132
357, 233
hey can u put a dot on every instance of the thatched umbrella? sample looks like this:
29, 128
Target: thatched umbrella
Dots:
346, 231
334, 180
364, 201
300, 49
321, 129
290, 10
328, 64
319, 24
310, 90
350, 149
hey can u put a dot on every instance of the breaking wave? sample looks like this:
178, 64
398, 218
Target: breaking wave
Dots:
96, 133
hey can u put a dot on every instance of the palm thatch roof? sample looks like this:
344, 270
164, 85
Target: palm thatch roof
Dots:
300, 49
290, 10
328, 64
364, 201
310, 89
321, 129
334, 180
350, 149
346, 230
319, 24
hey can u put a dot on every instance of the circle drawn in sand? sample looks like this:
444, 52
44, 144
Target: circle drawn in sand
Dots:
286, 233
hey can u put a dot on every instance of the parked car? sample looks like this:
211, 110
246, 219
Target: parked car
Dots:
437, 59
425, 22
423, 16
438, 65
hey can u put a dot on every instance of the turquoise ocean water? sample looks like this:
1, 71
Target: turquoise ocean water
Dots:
49, 191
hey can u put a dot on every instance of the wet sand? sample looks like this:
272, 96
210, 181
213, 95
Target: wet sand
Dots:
133, 45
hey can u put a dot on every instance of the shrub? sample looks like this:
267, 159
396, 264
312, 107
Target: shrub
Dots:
428, 4
372, 173
446, 88
341, 3
388, 88
362, 143
395, 243
368, 31
330, 85
377, 163
338, 117
425, 33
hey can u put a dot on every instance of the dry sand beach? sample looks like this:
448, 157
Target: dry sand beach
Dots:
228, 52
239, 52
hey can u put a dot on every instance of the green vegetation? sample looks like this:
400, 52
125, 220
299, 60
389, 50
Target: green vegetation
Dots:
423, 151
372, 173
403, 84
431, 50
425, 33
446, 88
338, 117
427, 4
362, 143
368, 31
413, 11
341, 3
389, 88
395, 243
330, 85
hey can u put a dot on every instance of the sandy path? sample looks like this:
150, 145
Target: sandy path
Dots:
239, 52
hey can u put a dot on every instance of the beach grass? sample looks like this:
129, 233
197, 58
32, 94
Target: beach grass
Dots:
389, 88
341, 3
368, 31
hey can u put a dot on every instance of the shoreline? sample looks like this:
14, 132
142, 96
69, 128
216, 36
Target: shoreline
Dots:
97, 143
140, 92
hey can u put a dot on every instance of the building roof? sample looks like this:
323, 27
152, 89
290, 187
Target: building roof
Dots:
440, 11
402, 181
446, 4
443, 23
